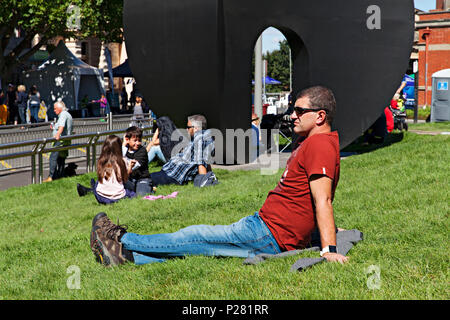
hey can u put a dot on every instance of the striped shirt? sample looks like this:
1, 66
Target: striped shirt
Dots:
183, 167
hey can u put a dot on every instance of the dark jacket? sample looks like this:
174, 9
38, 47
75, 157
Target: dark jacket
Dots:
166, 128
22, 99
140, 156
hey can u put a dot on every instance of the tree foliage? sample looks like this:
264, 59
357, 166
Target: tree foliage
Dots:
49, 18
278, 67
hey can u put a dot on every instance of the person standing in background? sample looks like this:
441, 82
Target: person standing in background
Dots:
63, 127
103, 103
11, 102
34, 103
124, 99
22, 100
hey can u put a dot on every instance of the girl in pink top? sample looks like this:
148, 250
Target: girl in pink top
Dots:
112, 174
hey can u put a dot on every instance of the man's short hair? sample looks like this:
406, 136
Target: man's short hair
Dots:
133, 132
198, 121
320, 97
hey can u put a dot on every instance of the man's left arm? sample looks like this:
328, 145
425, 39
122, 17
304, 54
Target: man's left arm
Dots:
202, 153
320, 186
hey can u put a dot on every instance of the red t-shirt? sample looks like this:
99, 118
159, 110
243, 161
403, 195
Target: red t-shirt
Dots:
288, 210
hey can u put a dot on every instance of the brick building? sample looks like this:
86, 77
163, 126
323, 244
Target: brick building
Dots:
433, 44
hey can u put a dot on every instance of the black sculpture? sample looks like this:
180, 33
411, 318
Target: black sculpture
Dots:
194, 56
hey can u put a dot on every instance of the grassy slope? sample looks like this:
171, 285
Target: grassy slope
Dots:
398, 196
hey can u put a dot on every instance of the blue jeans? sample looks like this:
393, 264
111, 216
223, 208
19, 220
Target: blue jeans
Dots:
156, 151
34, 111
56, 163
22, 115
161, 178
245, 238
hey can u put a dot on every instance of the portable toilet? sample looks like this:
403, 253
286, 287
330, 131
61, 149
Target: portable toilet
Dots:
440, 98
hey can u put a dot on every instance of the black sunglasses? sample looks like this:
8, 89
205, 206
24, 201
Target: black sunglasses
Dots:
188, 127
300, 110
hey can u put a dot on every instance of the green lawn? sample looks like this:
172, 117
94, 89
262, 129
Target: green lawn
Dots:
431, 126
422, 113
398, 196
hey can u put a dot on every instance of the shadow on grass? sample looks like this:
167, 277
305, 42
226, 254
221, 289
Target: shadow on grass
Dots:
359, 146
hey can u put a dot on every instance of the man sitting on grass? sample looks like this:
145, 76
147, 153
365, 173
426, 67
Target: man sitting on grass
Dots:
301, 202
194, 159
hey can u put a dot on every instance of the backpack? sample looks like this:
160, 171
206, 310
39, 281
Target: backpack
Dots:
166, 128
204, 180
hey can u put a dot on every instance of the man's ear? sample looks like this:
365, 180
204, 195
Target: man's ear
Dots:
321, 117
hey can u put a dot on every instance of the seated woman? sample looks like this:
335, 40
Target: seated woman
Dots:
112, 173
154, 148
164, 139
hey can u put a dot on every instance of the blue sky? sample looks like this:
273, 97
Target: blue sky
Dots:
272, 36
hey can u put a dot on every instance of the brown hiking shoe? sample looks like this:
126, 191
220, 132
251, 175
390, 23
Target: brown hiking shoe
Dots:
105, 242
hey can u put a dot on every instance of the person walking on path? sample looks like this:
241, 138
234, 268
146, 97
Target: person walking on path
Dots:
300, 203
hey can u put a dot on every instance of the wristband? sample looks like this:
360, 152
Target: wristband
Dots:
327, 249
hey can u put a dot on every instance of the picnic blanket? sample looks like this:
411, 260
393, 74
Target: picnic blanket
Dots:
345, 240
151, 197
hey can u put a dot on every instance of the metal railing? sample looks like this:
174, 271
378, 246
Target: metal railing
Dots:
16, 134
110, 121
41, 146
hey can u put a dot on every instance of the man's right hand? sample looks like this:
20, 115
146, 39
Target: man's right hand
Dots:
335, 257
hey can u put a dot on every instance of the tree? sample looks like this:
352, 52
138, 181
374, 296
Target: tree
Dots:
278, 67
78, 19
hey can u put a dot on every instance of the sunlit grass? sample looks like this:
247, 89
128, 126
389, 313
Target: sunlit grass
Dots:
397, 195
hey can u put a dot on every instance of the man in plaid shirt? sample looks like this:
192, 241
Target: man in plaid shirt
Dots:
192, 160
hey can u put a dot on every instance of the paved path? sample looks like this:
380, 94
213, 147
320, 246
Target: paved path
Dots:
432, 133
20, 178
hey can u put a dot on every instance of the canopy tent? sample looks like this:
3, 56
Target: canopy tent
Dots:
64, 76
121, 71
268, 80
